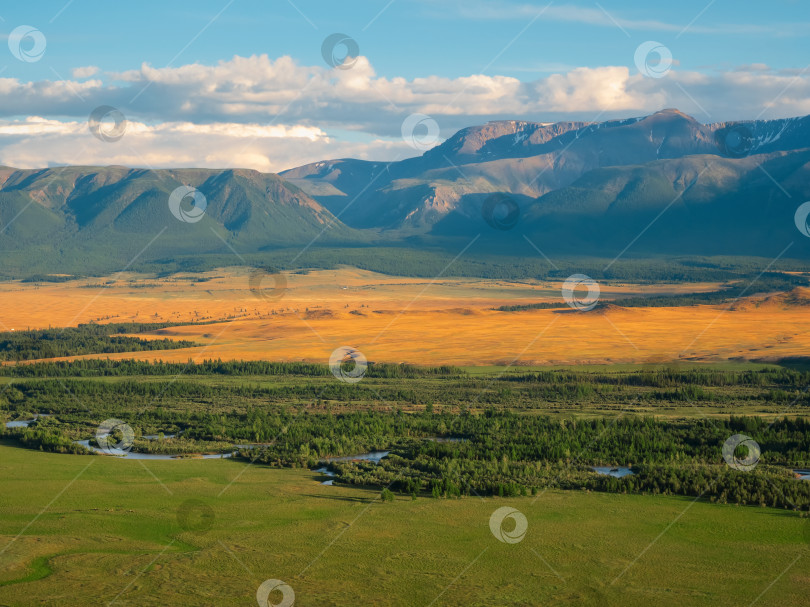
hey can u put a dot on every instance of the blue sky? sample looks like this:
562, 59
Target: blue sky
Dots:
461, 63
408, 38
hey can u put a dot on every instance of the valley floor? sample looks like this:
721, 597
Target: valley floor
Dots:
395, 319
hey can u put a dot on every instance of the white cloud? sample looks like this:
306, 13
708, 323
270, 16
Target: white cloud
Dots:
258, 89
84, 72
271, 114
36, 141
585, 89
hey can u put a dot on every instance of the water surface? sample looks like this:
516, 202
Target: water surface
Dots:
19, 424
373, 456
616, 472
135, 455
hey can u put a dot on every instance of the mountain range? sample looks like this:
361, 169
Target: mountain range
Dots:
663, 184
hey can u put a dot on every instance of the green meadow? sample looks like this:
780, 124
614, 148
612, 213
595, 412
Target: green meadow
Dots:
80, 530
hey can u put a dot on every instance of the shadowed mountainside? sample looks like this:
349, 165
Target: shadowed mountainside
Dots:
665, 184
93, 216
529, 160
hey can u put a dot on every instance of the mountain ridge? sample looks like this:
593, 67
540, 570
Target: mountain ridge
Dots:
532, 159
575, 188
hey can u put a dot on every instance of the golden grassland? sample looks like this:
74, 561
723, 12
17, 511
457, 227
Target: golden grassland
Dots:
397, 319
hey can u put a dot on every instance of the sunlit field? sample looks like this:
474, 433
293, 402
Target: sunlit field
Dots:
394, 319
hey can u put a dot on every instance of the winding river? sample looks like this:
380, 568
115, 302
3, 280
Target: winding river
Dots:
131, 454
374, 456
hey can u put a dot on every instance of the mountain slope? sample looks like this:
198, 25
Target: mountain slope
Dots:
91, 216
658, 185
526, 159
697, 203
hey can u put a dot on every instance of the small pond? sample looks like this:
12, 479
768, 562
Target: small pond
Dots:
373, 456
616, 472
19, 424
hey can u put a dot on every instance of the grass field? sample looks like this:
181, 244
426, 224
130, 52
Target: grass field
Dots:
395, 319
87, 530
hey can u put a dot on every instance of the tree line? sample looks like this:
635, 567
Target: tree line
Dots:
90, 338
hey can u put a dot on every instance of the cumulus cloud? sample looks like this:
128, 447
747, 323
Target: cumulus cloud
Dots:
264, 90
84, 72
272, 114
37, 141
